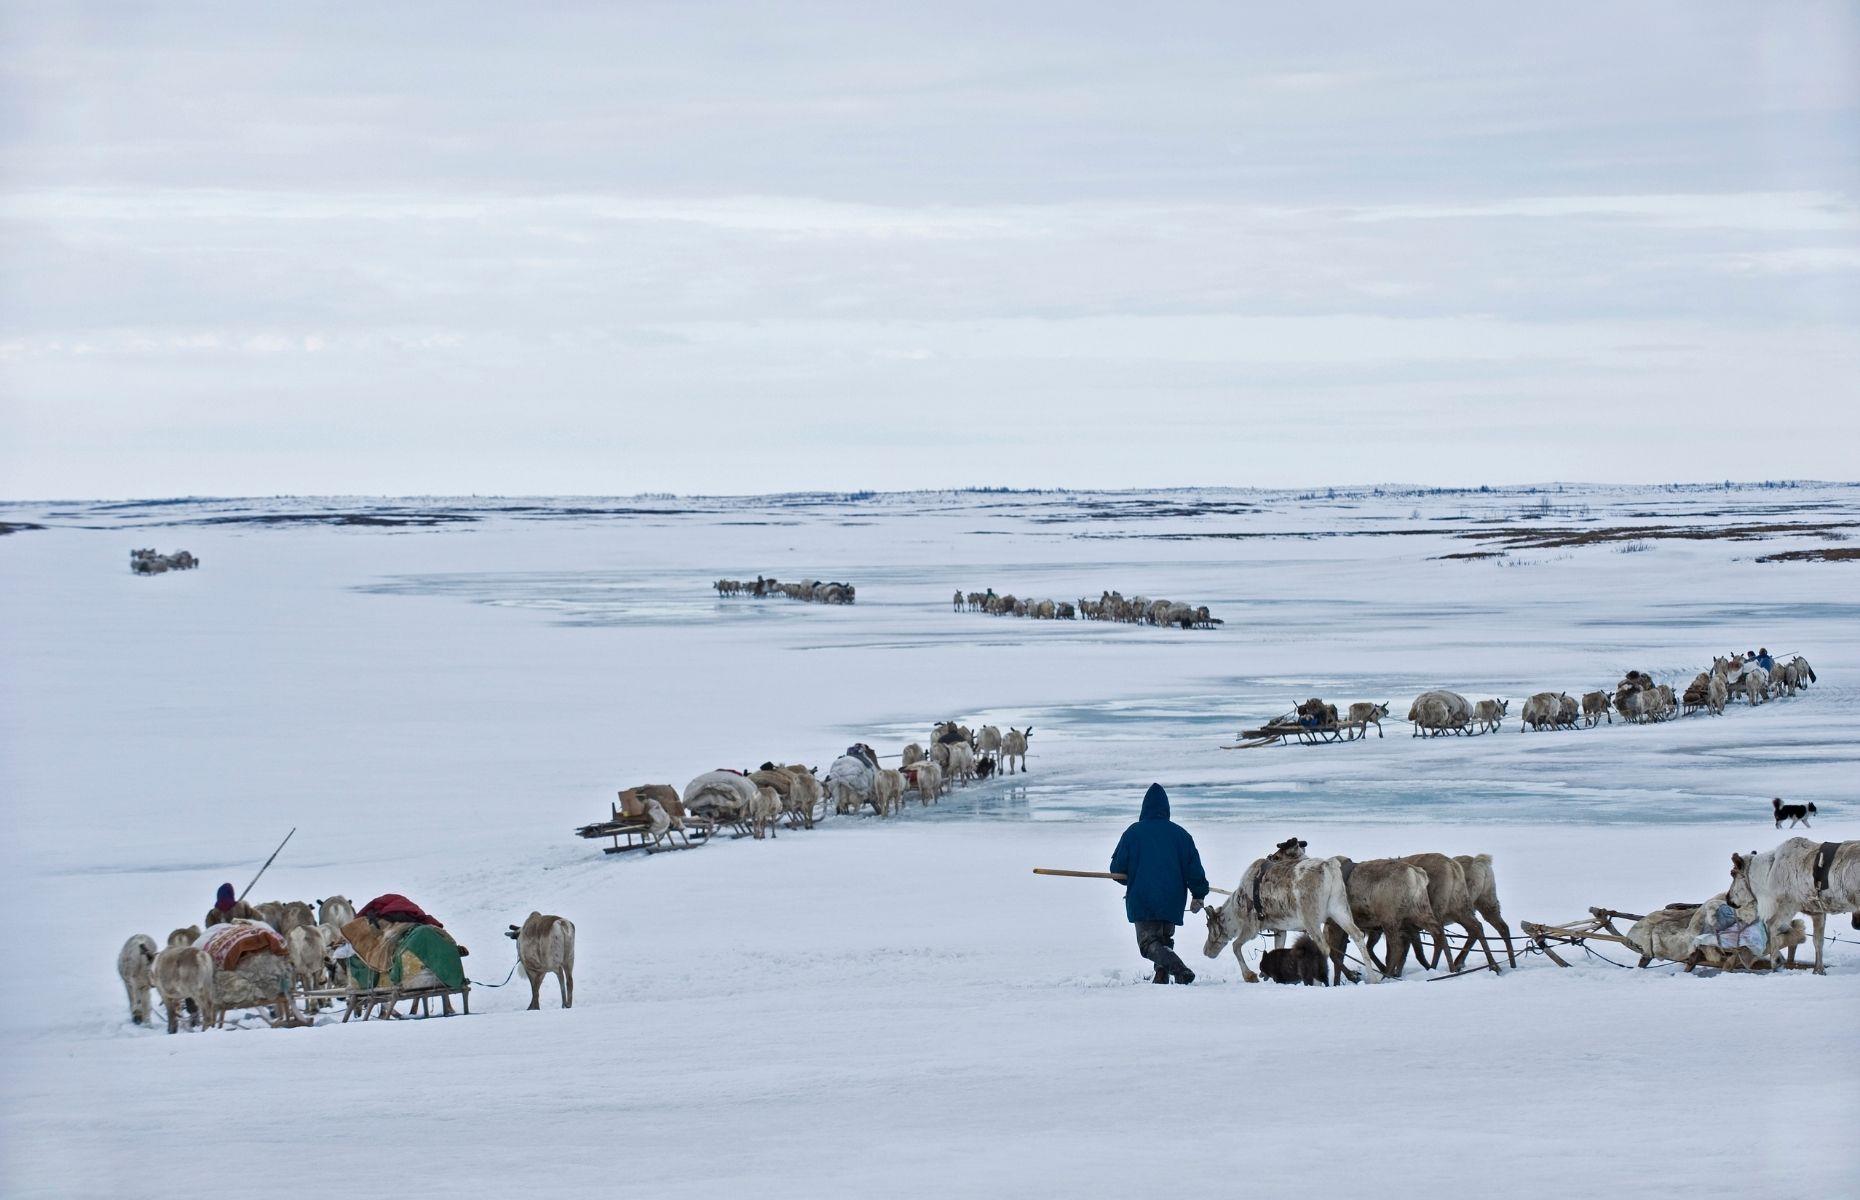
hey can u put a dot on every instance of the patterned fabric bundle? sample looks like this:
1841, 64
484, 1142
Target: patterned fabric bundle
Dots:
229, 945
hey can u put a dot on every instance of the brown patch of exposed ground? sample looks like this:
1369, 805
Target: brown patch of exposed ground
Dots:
1818, 554
1559, 537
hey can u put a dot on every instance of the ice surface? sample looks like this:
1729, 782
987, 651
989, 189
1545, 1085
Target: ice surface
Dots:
900, 1007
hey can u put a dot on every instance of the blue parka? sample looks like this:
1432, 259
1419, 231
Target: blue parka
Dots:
1160, 863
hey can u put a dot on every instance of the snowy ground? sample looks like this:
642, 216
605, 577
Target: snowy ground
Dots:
902, 1007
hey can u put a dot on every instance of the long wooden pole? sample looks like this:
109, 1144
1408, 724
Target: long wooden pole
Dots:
1101, 875
268, 862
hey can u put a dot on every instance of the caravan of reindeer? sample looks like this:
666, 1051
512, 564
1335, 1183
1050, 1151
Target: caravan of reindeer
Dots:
814, 591
757, 803
1638, 699
1110, 606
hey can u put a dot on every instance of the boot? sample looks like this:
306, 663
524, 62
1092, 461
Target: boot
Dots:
1169, 963
1162, 976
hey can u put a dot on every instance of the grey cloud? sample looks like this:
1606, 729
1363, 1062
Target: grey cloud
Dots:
457, 247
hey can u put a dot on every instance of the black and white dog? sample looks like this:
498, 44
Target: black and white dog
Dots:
1792, 813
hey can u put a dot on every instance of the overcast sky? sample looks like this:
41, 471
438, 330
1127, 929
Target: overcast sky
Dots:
450, 248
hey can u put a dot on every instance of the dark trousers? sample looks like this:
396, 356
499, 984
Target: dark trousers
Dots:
1156, 942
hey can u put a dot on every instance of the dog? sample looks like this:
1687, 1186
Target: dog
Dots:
1792, 813
985, 766
1303, 963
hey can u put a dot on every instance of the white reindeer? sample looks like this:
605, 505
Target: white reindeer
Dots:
132, 964
1014, 748
1289, 893
308, 953
961, 767
1783, 882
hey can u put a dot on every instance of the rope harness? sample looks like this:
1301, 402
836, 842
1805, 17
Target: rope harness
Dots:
513, 971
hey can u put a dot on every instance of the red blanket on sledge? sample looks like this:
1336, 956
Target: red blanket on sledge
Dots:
396, 907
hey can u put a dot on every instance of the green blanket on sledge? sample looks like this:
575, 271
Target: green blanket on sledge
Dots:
435, 950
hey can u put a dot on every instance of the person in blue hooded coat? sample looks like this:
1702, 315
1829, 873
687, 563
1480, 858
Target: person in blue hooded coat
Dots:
1162, 871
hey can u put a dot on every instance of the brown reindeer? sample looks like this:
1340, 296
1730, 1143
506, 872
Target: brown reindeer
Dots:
546, 946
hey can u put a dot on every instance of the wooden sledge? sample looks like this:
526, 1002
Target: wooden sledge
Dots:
379, 1002
629, 828
1285, 729
1599, 926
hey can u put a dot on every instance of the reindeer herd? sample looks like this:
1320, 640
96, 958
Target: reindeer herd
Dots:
309, 957
1111, 606
183, 975
149, 561
1336, 903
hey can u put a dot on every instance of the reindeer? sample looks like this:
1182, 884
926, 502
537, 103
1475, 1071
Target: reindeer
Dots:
132, 965
1482, 890
1785, 881
1388, 899
336, 910
1363, 714
1014, 748
184, 976
1543, 711
1453, 903
545, 946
